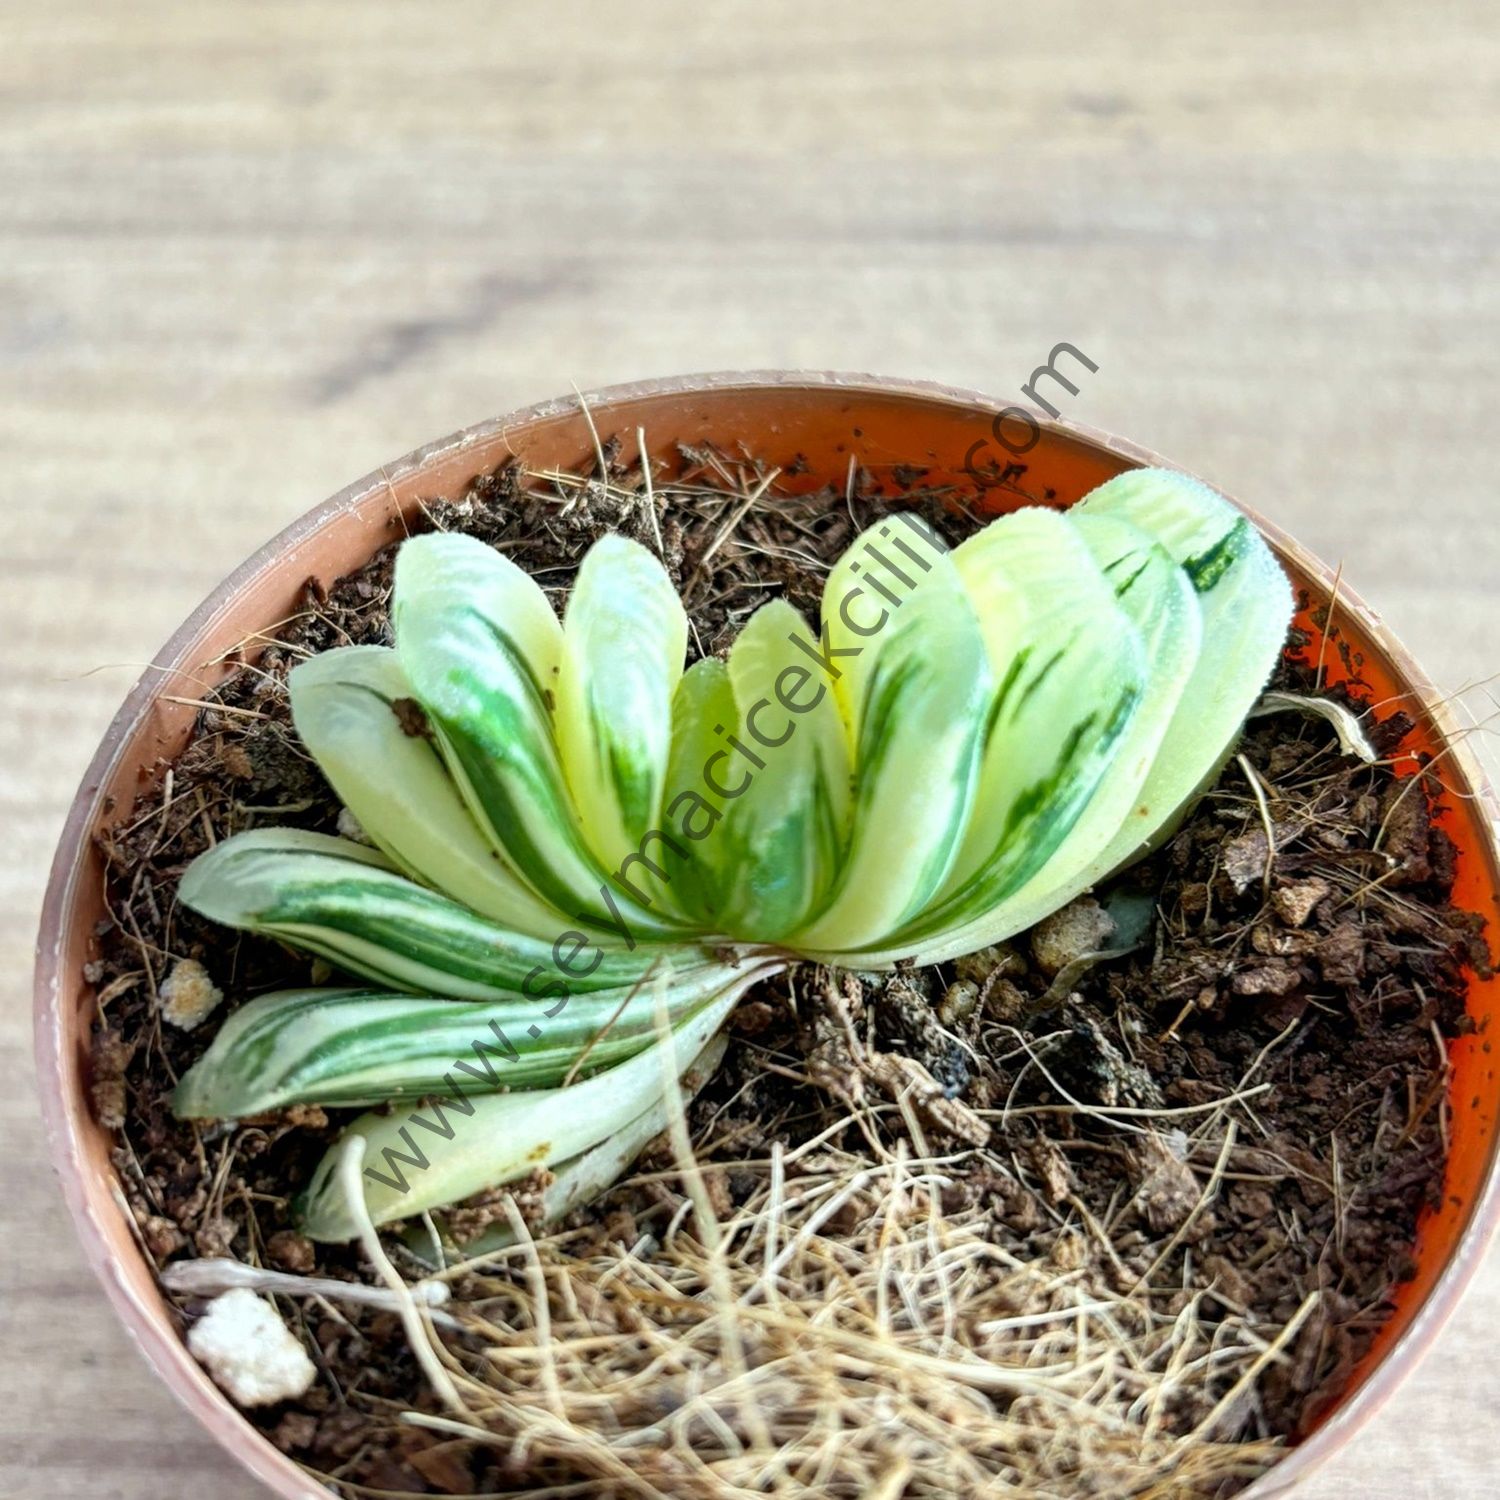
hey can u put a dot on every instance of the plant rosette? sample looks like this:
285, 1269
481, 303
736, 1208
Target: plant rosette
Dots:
573, 841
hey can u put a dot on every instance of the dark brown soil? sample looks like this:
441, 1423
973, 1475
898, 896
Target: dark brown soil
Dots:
1275, 963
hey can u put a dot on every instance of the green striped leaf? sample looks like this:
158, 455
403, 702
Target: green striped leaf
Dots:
343, 902
919, 732
1070, 671
449, 1149
700, 764
582, 1178
483, 650
786, 833
1160, 603
1246, 604
355, 712
624, 640
863, 596
363, 1047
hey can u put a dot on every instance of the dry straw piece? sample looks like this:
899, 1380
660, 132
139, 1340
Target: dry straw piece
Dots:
841, 1334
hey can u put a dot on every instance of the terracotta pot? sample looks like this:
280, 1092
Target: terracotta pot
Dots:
826, 422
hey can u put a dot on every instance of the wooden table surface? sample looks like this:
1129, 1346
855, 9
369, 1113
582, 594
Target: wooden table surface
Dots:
249, 252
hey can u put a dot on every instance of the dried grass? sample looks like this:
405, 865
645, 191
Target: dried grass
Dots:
842, 1334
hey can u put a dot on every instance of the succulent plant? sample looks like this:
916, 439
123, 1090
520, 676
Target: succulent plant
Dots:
575, 842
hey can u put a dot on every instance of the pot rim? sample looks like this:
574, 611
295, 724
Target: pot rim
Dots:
153, 1334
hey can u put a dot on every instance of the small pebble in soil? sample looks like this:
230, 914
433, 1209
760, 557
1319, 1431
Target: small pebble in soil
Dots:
1082, 926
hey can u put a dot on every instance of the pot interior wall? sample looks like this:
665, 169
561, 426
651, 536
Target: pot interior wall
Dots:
814, 432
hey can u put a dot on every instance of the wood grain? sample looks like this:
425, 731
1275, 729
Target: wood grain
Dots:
247, 253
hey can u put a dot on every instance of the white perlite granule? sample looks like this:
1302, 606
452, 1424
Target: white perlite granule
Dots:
245, 1346
349, 827
187, 994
